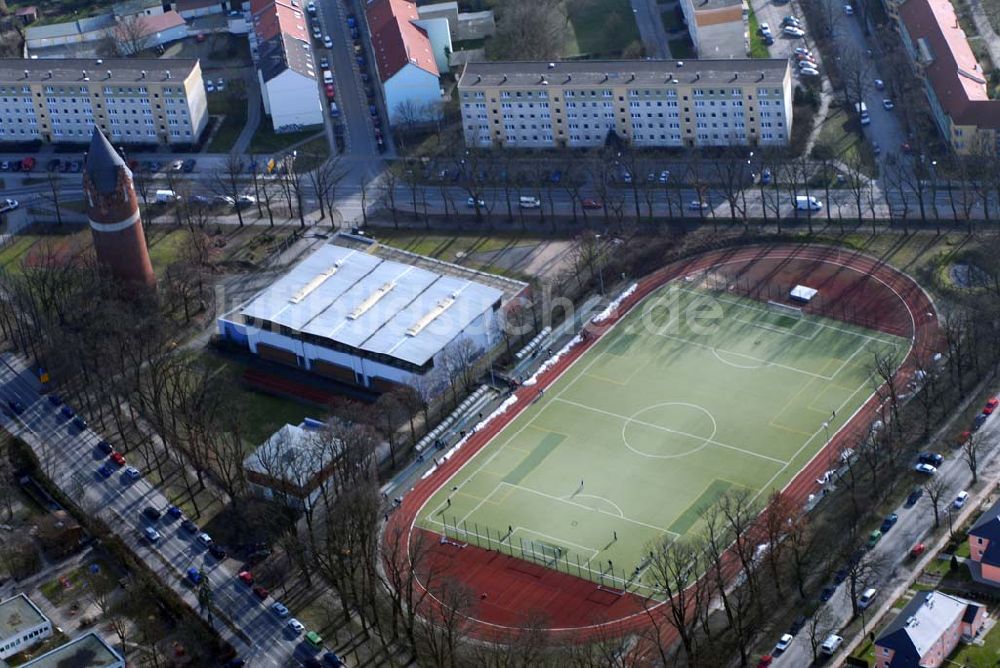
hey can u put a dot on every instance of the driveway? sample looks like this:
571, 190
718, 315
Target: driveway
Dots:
70, 459
650, 23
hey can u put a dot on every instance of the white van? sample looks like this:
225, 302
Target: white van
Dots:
862, 110
327, 77
803, 203
866, 597
166, 196
831, 644
529, 203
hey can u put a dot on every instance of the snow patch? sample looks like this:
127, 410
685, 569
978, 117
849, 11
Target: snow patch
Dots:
547, 364
500, 410
613, 306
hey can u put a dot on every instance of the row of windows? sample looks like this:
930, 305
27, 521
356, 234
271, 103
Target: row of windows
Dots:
26, 637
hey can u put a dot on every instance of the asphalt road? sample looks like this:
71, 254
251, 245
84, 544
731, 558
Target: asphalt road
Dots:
914, 526
70, 459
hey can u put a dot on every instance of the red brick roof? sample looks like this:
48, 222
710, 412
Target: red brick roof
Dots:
396, 40
951, 68
272, 17
161, 22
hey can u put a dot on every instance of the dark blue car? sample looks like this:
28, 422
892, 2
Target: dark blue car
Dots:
67, 412
889, 522
105, 471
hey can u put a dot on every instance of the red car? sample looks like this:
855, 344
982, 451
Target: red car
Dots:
329, 91
991, 405
765, 661
590, 203
246, 576
917, 550
260, 592
27, 164
118, 458
963, 437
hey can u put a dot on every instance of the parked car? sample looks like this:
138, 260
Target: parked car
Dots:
827, 593
791, 21
873, 538
848, 10
914, 496
931, 458
295, 626
978, 422
889, 522
217, 551
151, 534
132, 473
888, 104
189, 165
194, 575
175, 512
697, 205
960, 500
105, 447
189, 526
991, 405
246, 577
792, 31
765, 177
809, 72
926, 469
118, 458
151, 513
220, 84
105, 470
260, 592
783, 642
472, 203
866, 597
209, 86
831, 644
177, 166
9, 205
204, 539
917, 550
591, 203
279, 609
764, 29
327, 42
324, 63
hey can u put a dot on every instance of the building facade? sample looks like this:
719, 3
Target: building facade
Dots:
718, 28
293, 464
132, 101
928, 630
984, 548
645, 103
22, 625
407, 52
954, 81
282, 49
348, 315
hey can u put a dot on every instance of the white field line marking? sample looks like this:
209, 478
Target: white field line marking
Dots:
585, 507
773, 328
749, 357
671, 431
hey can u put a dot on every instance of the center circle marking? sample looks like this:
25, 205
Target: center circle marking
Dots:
635, 417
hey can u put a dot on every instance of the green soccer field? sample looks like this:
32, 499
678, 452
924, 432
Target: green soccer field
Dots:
692, 394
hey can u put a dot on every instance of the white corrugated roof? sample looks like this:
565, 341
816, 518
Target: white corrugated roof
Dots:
376, 305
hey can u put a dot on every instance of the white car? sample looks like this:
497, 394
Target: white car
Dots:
177, 166
204, 539
802, 51
803, 64
151, 534
225, 199
764, 29
132, 472
888, 104
317, 33
927, 469
220, 84
664, 176
960, 500
244, 200
792, 31
311, 8
471, 203
296, 626
848, 10
879, 84
9, 205
809, 72
279, 609
783, 642
327, 42
209, 86
697, 205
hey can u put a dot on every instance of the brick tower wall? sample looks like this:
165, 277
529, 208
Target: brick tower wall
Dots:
117, 231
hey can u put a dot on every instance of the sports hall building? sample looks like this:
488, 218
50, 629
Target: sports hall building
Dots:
373, 316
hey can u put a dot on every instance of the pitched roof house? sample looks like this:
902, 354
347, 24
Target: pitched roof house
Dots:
285, 67
927, 630
405, 56
984, 547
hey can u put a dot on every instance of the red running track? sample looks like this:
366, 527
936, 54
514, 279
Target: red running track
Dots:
514, 593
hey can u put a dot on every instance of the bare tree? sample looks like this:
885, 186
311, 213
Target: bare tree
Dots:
972, 449
129, 35
936, 487
324, 179
529, 30
676, 567
228, 183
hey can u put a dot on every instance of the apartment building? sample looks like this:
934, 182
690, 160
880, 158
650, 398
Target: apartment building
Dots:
22, 626
718, 28
645, 103
956, 86
132, 101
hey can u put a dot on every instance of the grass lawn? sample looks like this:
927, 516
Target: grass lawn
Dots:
841, 136
165, 247
963, 549
312, 154
653, 425
468, 44
234, 112
757, 47
671, 21
600, 28
261, 414
266, 141
681, 48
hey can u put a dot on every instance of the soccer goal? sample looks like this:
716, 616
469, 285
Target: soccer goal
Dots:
541, 552
785, 309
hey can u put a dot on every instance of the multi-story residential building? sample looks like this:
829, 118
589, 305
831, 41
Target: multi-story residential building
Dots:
955, 84
22, 625
88, 650
132, 101
646, 103
927, 630
984, 548
718, 28
282, 49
